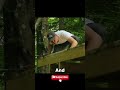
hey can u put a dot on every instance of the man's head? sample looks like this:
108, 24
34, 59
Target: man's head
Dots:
52, 37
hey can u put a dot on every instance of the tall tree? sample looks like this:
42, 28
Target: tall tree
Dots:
19, 41
45, 30
39, 38
61, 24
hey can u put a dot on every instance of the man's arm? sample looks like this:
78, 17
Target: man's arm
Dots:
73, 42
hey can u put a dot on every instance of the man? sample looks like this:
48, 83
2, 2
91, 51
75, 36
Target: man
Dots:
61, 40
95, 35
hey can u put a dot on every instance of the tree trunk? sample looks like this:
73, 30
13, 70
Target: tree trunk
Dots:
1, 4
41, 31
19, 41
61, 24
45, 31
44, 52
39, 38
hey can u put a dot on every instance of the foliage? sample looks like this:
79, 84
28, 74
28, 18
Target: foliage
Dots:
106, 12
53, 23
73, 25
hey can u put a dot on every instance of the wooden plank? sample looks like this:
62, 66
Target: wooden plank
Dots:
62, 56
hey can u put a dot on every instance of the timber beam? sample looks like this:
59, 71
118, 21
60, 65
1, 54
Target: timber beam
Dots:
107, 61
98, 64
62, 56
